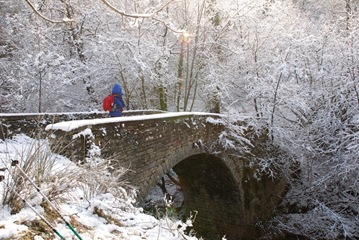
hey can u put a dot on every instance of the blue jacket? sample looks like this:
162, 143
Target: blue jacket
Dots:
118, 101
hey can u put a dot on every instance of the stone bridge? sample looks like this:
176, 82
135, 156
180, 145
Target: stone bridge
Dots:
222, 188
222, 185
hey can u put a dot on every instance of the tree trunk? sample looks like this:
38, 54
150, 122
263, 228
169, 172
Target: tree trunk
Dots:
180, 75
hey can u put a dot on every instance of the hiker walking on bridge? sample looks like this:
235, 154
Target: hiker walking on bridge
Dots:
114, 103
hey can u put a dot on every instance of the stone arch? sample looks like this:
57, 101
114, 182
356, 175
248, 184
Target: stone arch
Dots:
210, 188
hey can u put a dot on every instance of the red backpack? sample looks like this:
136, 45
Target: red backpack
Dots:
108, 103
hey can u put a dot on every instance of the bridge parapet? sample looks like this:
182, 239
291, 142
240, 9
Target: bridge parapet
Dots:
147, 145
33, 124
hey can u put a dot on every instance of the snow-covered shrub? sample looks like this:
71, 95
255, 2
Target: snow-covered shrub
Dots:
322, 202
245, 136
55, 175
33, 157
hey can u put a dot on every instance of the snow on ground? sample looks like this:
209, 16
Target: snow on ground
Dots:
128, 222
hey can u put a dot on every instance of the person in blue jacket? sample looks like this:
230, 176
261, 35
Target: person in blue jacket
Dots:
119, 104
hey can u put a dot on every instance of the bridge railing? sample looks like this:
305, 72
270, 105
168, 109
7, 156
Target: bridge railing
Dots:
33, 124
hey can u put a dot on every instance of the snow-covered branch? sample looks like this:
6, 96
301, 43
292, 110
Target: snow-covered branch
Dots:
145, 15
65, 20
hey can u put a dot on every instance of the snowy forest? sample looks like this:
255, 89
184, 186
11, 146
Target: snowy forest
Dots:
292, 65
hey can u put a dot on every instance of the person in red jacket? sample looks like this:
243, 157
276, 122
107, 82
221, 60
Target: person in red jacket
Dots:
119, 104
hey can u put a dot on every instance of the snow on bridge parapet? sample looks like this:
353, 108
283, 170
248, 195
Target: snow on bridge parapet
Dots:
33, 124
74, 124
